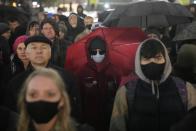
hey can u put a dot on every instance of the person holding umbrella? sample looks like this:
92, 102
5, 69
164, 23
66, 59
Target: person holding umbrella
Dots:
98, 82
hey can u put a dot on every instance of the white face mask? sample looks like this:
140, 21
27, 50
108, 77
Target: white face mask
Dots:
98, 58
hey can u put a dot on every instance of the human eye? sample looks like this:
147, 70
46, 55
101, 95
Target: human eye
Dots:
19, 48
145, 59
33, 47
32, 94
51, 94
44, 47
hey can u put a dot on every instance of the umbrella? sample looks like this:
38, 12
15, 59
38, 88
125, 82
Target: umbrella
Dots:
9, 11
122, 45
102, 15
149, 13
188, 33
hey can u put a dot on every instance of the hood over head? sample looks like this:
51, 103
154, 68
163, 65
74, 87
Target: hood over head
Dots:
167, 68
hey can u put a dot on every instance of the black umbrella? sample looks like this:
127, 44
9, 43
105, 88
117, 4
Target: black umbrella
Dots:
188, 33
102, 15
149, 13
9, 11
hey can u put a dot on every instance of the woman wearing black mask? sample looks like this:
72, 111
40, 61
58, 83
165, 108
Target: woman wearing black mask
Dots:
44, 104
155, 100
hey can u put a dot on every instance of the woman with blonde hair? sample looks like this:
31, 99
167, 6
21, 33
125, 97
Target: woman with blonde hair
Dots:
44, 103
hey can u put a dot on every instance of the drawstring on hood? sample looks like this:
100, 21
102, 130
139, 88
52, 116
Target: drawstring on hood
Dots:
155, 89
140, 74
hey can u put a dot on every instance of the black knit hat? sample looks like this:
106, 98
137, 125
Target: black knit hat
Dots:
38, 38
3, 28
97, 43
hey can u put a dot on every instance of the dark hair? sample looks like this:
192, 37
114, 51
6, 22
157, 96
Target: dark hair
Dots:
52, 23
150, 48
32, 24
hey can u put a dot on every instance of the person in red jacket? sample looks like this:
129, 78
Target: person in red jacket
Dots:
98, 82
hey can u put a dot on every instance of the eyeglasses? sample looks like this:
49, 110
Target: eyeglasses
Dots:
94, 52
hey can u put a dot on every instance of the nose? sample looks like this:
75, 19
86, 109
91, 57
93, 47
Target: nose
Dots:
39, 50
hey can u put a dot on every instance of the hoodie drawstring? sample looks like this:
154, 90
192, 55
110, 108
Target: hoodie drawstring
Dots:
155, 89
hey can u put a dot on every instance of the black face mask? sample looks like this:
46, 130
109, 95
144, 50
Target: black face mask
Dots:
88, 26
42, 111
153, 71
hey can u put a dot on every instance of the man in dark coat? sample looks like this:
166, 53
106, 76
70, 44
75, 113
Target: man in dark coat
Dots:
38, 50
59, 46
98, 82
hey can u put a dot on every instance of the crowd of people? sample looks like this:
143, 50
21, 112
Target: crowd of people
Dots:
38, 92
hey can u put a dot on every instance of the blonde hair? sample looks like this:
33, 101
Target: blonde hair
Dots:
64, 120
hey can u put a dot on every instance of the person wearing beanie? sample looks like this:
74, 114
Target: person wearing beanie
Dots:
38, 51
19, 61
97, 50
98, 81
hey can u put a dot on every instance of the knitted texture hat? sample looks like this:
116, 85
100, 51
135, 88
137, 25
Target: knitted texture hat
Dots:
19, 40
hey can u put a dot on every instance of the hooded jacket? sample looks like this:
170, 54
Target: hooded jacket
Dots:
156, 105
98, 84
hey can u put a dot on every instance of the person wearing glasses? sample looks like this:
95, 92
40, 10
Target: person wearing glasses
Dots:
98, 81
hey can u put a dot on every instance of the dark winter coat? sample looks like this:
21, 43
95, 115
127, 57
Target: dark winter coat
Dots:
4, 51
15, 86
187, 123
17, 66
73, 32
59, 48
8, 120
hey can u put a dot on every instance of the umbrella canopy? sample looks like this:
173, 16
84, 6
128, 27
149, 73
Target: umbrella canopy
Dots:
9, 11
188, 33
122, 46
102, 15
149, 13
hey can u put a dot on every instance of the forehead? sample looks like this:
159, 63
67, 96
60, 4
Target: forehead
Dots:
21, 45
73, 17
47, 25
157, 55
42, 83
34, 25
